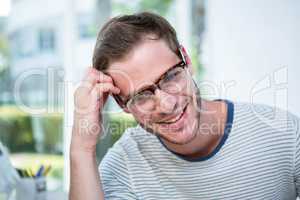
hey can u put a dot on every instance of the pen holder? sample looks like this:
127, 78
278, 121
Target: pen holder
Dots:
31, 189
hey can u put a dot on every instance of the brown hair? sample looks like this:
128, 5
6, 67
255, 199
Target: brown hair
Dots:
120, 34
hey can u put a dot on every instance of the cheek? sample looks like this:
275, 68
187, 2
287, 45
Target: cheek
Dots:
143, 118
188, 94
188, 89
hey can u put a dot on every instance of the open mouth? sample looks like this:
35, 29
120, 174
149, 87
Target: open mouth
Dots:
173, 121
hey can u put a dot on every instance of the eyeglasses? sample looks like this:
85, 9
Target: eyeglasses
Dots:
172, 82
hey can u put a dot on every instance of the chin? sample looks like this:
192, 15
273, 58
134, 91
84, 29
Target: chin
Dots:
179, 138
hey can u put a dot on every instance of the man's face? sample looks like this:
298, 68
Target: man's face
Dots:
174, 116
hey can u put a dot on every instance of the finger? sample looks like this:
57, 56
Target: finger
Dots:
100, 92
106, 87
93, 79
94, 76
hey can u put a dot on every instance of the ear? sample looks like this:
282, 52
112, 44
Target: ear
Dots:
188, 59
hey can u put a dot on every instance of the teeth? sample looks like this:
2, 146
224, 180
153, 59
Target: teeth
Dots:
175, 119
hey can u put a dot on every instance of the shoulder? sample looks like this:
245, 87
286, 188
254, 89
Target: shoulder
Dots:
264, 114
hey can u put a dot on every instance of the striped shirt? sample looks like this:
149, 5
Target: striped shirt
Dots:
257, 158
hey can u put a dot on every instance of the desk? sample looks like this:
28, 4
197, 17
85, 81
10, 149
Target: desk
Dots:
50, 195
57, 195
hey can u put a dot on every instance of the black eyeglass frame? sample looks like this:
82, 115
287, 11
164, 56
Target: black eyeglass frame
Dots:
123, 103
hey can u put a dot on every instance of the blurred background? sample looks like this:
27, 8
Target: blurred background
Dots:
241, 50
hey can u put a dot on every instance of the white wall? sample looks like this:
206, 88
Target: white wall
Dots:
252, 44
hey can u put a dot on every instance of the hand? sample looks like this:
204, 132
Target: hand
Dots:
90, 98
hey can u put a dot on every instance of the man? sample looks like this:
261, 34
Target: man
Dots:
184, 147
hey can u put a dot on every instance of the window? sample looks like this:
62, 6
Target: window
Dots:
46, 40
23, 43
86, 26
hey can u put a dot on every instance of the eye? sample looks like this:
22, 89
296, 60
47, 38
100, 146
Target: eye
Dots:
172, 75
142, 96
143, 101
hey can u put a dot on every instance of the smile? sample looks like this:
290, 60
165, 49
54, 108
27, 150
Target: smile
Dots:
179, 116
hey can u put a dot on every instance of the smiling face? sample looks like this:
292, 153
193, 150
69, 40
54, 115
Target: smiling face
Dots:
174, 117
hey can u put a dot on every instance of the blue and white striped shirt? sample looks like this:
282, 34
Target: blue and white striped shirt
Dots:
257, 158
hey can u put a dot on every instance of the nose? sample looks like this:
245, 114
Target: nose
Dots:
167, 102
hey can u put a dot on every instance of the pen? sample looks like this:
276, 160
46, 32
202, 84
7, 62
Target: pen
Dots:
40, 171
48, 168
20, 172
30, 173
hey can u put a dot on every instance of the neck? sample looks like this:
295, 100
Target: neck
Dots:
213, 116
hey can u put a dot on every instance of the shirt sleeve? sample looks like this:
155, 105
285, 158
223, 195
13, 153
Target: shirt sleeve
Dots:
114, 175
297, 156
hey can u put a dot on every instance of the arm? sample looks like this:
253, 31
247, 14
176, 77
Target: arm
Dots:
85, 180
90, 98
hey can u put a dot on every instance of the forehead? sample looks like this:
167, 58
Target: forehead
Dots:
142, 66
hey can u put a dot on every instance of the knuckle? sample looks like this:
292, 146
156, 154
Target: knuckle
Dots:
77, 92
105, 78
